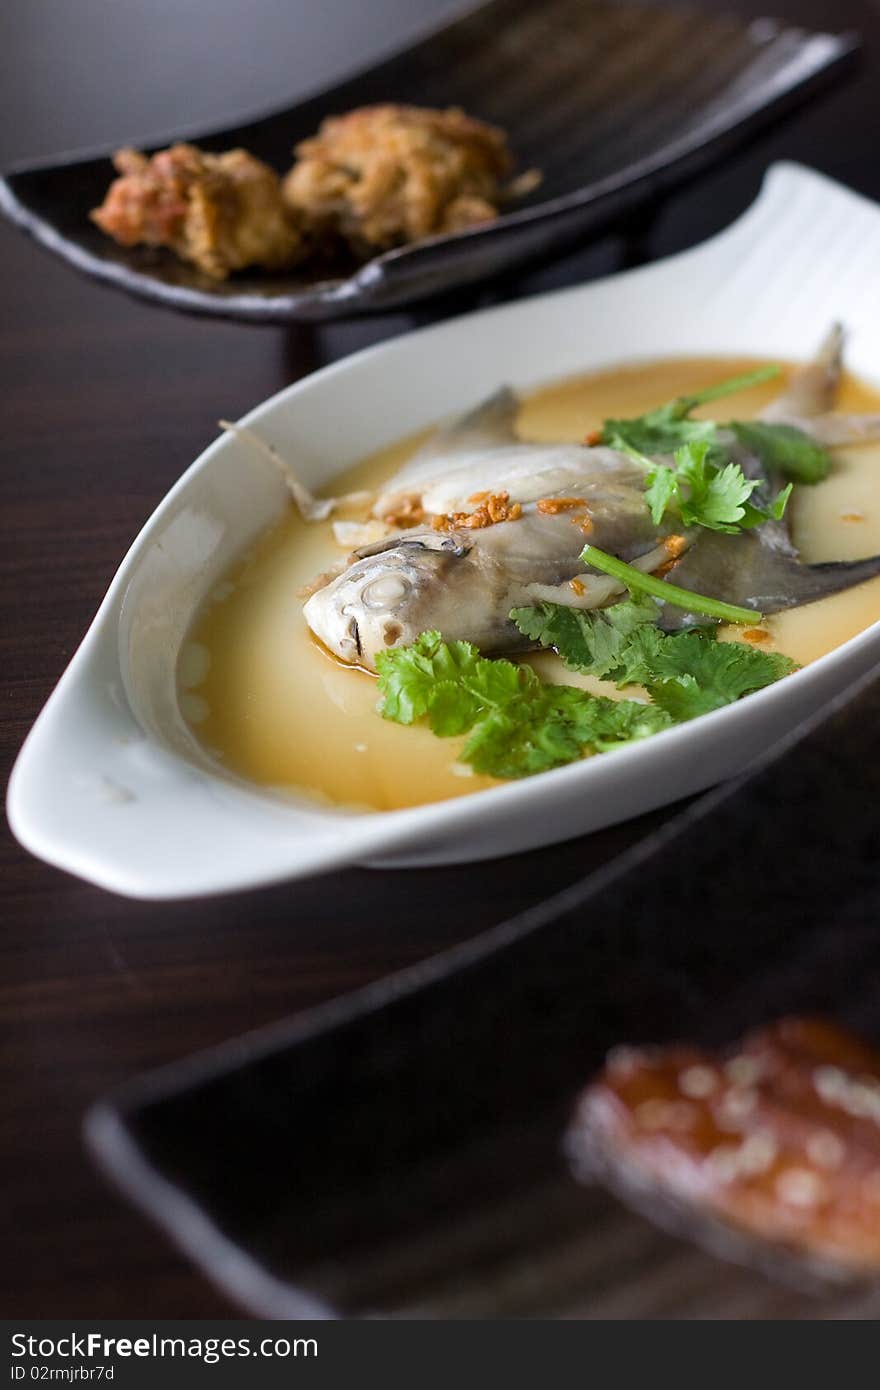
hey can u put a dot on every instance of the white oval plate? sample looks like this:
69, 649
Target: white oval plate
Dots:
111, 785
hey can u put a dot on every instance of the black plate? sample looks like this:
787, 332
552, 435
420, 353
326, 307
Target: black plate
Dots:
399, 1153
612, 101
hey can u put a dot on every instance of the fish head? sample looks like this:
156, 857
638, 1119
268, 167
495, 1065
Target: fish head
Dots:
390, 594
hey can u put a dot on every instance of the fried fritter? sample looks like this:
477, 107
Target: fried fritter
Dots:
222, 212
385, 175
774, 1143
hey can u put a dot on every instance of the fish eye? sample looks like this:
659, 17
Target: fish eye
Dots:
386, 593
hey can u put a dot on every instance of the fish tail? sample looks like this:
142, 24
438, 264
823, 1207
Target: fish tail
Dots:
831, 577
744, 569
813, 388
808, 583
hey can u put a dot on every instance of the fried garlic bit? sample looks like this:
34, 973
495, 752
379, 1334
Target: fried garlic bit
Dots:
552, 506
385, 175
492, 508
777, 1139
221, 212
404, 512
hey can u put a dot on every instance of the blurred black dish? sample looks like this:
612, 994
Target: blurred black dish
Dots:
399, 1153
612, 102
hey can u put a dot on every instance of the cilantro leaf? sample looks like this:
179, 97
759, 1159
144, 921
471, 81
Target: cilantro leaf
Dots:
557, 726
773, 512
588, 641
706, 494
688, 674
518, 725
449, 682
450, 709
409, 682
685, 673
667, 428
784, 449
662, 490
614, 722
658, 432
518, 743
718, 496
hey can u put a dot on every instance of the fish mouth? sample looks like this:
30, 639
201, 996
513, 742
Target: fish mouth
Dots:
338, 633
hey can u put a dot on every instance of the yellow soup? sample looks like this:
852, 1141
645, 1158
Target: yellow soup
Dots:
270, 705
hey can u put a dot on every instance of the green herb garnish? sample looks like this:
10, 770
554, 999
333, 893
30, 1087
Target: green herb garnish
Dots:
637, 582
594, 642
705, 494
784, 449
518, 725
686, 673
665, 429
781, 448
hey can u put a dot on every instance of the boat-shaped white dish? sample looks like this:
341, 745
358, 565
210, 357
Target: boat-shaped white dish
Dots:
111, 784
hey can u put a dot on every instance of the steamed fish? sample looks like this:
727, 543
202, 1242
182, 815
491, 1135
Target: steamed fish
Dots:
463, 571
465, 581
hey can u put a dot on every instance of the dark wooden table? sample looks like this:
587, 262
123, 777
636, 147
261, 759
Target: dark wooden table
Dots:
104, 402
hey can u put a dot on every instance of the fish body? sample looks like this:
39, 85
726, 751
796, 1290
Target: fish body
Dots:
464, 582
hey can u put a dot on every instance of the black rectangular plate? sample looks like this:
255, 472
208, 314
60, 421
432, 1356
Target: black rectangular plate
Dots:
613, 102
398, 1153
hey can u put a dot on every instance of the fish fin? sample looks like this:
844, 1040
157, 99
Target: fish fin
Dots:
311, 508
744, 570
808, 400
812, 389
835, 575
490, 424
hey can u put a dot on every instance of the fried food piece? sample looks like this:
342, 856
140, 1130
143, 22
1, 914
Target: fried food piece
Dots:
222, 212
384, 175
775, 1143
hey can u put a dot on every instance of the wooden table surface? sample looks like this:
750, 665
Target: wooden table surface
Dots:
104, 402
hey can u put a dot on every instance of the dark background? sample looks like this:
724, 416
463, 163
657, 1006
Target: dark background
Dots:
104, 401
